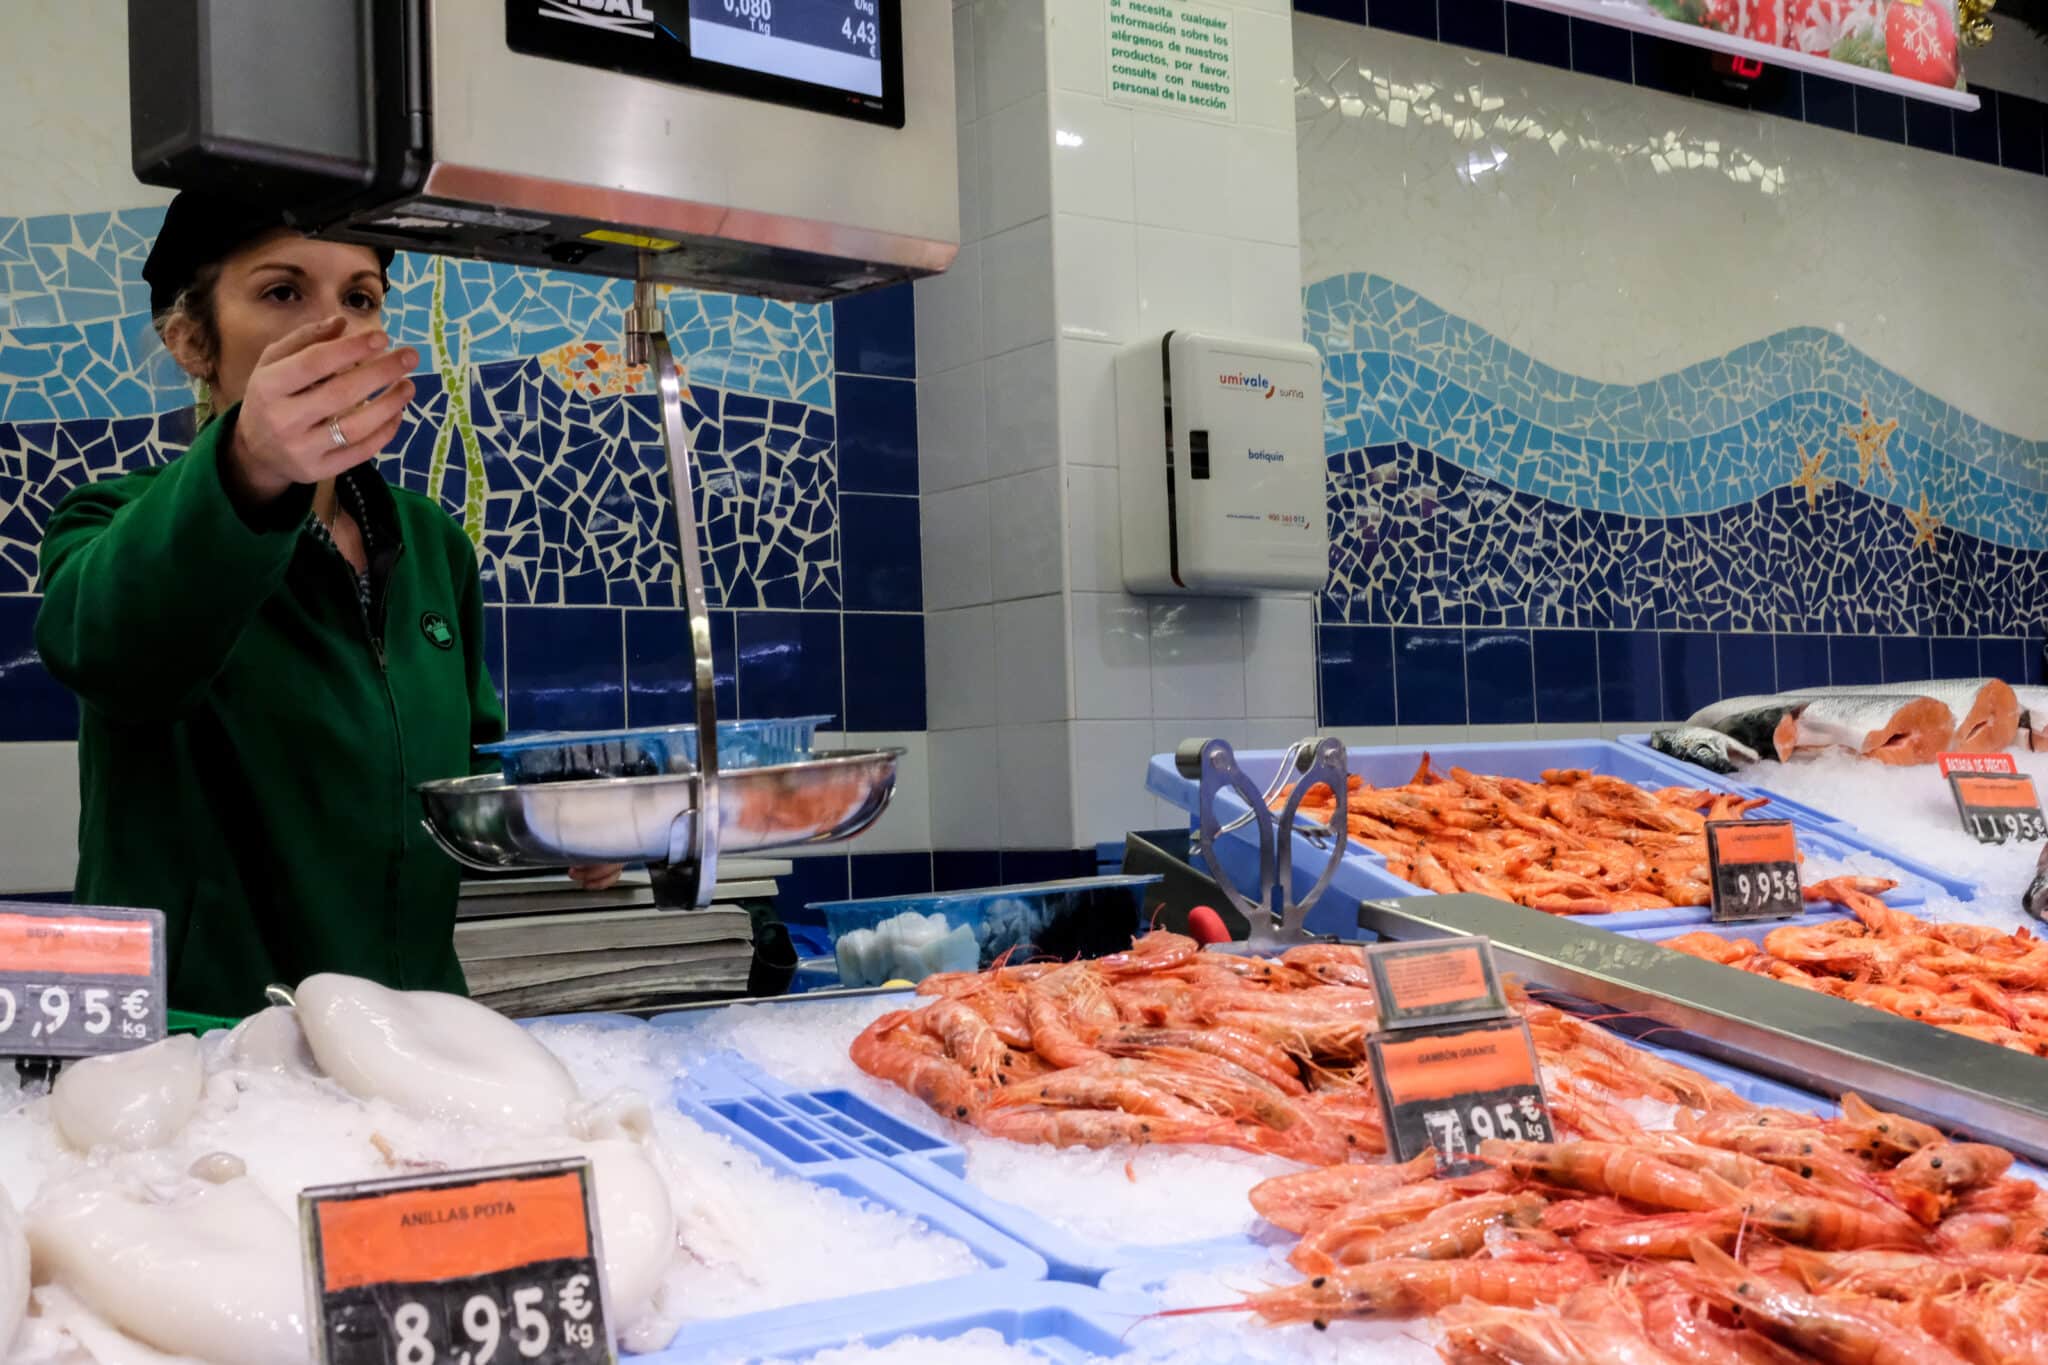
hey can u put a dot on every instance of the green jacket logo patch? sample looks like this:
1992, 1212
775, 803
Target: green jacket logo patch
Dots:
435, 627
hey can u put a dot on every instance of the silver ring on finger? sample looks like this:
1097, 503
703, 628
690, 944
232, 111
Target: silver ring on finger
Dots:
336, 434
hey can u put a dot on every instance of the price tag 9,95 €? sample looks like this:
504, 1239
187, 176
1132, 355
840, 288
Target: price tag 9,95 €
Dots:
485, 1267
76, 980
1755, 869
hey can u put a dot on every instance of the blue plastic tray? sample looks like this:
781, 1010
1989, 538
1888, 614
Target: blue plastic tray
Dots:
1061, 1322
1959, 887
1364, 874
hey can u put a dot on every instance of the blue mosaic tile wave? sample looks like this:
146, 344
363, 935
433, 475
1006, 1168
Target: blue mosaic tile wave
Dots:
802, 418
1418, 540
1715, 435
76, 340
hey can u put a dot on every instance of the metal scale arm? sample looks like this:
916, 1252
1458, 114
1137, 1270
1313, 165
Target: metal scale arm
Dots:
691, 872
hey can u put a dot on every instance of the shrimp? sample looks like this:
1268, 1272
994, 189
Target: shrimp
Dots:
1296, 1201
1052, 1035
1525, 1336
1907, 1274
1333, 964
1834, 1225
948, 1087
1726, 951
1157, 951
1889, 1137
1835, 1330
1946, 1167
969, 1039
1253, 1054
1659, 1236
1381, 1289
1455, 1230
1610, 1168
1674, 1326
1103, 1128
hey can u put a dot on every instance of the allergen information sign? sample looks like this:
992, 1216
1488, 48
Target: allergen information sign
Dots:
79, 980
1172, 54
499, 1266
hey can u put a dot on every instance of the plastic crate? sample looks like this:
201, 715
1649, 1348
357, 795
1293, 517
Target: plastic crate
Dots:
1059, 1322
1961, 888
1364, 874
568, 756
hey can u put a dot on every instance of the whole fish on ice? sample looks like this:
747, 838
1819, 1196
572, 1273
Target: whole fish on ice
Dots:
1891, 728
1985, 710
2036, 899
1713, 750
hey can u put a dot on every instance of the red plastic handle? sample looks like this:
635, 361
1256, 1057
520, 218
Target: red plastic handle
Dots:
1205, 926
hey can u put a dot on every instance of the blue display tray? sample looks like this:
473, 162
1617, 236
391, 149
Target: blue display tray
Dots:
1959, 887
1060, 1322
1364, 875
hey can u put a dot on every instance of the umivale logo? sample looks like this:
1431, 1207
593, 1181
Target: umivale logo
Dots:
629, 17
1258, 383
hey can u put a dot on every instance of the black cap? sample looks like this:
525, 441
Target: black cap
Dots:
202, 227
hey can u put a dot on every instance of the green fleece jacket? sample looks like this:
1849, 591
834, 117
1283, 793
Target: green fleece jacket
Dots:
247, 749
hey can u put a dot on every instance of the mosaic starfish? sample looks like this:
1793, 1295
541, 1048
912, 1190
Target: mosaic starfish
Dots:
1925, 524
1870, 438
1810, 478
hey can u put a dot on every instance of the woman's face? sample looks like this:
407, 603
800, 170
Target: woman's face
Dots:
280, 283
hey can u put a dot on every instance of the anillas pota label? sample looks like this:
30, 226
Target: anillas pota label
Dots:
414, 1236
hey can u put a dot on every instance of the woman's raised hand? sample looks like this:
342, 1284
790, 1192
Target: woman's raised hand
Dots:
305, 385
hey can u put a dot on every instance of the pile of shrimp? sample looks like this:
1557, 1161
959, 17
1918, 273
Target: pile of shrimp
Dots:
1576, 843
1740, 1235
1168, 1044
1744, 1235
1970, 979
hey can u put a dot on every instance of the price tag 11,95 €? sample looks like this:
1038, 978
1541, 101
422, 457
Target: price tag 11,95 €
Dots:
483, 1267
1997, 807
76, 980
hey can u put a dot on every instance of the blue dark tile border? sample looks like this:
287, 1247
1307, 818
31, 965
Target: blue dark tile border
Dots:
883, 690
33, 705
875, 333
2009, 130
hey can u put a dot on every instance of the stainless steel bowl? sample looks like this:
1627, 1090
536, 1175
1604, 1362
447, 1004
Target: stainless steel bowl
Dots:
491, 824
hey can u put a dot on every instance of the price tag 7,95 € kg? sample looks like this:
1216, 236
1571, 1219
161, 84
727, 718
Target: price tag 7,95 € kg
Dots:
1452, 1088
483, 1267
76, 980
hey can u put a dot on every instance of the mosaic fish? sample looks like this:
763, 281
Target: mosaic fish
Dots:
1986, 713
1703, 748
1895, 728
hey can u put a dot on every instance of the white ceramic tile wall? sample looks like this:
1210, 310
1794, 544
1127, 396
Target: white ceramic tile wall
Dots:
1023, 411
1026, 526
1092, 225
957, 547
39, 816
960, 668
1031, 660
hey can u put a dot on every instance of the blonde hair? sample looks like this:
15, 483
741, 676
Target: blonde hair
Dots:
194, 306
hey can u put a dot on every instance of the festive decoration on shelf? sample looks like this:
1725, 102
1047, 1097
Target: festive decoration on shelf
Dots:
1973, 22
1916, 39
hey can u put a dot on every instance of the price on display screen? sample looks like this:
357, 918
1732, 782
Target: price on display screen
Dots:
1997, 807
1755, 866
76, 980
1442, 981
831, 25
1449, 1089
487, 1267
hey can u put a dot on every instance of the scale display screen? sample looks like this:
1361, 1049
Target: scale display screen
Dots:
838, 56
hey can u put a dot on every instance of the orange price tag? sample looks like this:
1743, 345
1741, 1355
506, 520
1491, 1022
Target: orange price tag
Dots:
1976, 763
1453, 1087
459, 1263
79, 979
1996, 807
1754, 869
1435, 982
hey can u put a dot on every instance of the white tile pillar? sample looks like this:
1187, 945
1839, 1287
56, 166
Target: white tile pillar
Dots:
1088, 223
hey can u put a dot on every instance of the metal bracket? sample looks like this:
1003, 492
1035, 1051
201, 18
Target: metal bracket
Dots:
1276, 916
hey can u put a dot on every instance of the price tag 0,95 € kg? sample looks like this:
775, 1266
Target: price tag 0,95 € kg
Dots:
76, 980
484, 1267
1755, 867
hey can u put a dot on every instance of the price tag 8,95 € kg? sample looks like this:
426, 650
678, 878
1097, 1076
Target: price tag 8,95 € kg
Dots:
484, 1267
77, 980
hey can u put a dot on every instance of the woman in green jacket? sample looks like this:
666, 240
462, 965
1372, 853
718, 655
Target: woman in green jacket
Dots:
270, 644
